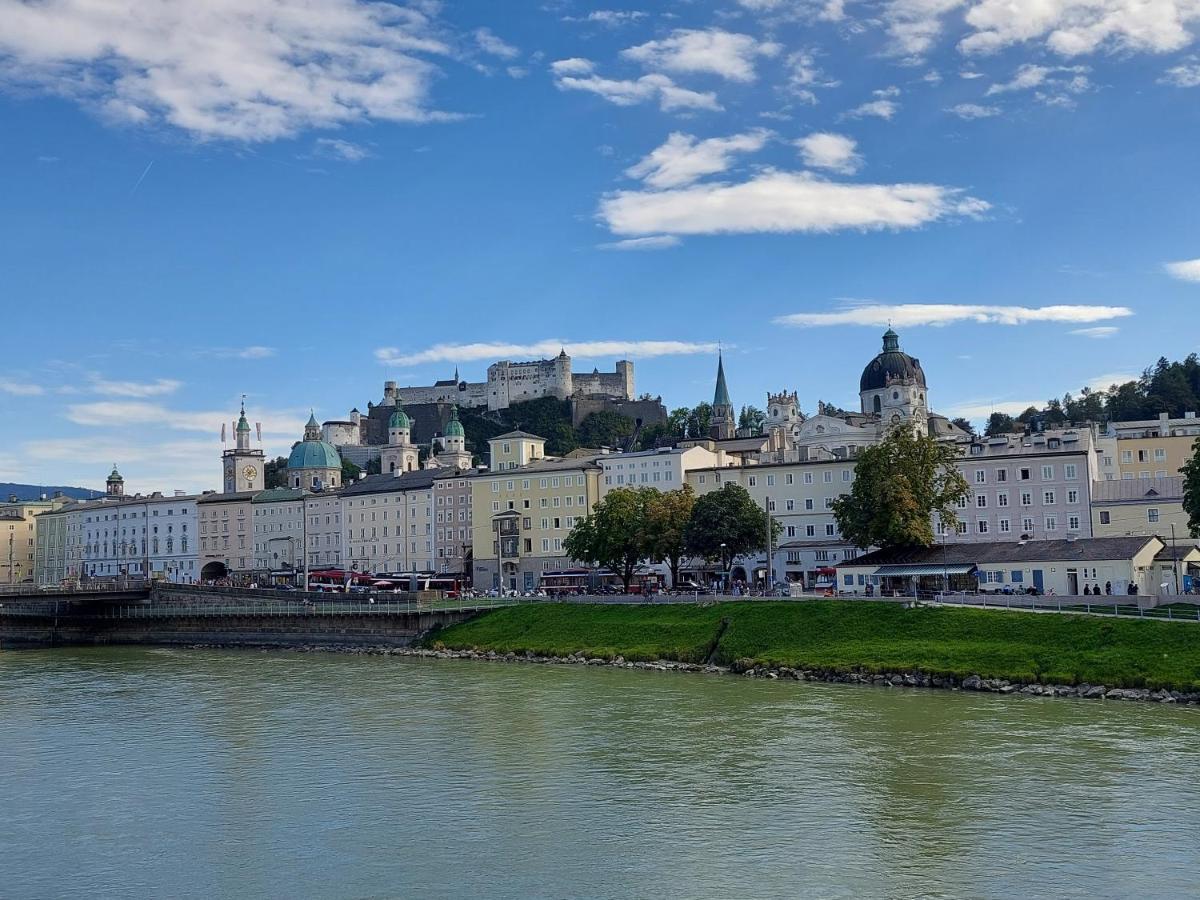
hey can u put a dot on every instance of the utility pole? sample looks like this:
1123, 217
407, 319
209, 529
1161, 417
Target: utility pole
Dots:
769, 578
1174, 559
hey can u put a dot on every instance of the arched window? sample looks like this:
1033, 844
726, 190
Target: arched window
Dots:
878, 404
895, 395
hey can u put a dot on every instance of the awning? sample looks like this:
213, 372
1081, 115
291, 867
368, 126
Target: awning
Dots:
957, 569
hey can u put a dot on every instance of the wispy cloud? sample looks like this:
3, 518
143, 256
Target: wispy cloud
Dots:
20, 388
254, 351
135, 388
1184, 270
973, 111
783, 202
335, 148
826, 150
544, 349
981, 409
912, 314
712, 51
1098, 332
493, 45
256, 70
683, 158
882, 107
577, 74
113, 413
654, 242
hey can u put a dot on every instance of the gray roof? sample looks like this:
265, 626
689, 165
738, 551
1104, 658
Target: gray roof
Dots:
517, 434
1182, 549
1081, 550
388, 483
227, 498
1136, 490
547, 465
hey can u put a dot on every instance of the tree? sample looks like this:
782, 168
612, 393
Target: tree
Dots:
605, 429
698, 421
614, 535
726, 524
1191, 489
350, 472
999, 423
677, 421
275, 472
667, 517
964, 424
752, 418
374, 466
898, 485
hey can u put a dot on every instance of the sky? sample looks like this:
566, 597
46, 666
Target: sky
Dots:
296, 200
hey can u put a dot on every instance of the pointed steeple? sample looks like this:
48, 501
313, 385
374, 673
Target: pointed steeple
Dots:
721, 394
312, 430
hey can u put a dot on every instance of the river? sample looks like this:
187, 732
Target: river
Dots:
195, 773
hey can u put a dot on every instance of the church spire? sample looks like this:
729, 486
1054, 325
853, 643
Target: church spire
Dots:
721, 394
722, 425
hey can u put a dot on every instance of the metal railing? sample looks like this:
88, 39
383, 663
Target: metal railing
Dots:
85, 587
1136, 606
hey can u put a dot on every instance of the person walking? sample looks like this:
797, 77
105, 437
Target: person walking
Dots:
1108, 587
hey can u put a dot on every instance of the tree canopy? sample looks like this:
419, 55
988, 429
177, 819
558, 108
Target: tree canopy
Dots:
1191, 489
728, 516
667, 517
614, 535
898, 486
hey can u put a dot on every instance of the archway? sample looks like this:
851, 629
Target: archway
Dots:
737, 573
213, 571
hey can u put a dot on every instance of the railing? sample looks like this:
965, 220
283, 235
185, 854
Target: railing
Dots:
1137, 606
85, 587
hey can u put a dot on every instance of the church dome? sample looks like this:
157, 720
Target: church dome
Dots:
454, 427
892, 364
314, 455
399, 419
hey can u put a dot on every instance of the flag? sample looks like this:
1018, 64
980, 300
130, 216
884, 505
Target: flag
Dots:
222, 432
258, 429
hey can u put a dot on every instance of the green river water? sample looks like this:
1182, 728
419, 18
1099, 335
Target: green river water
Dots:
189, 773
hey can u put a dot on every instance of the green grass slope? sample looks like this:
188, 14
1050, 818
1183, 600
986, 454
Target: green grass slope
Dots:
855, 636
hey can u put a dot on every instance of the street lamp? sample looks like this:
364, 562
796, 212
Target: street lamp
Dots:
725, 567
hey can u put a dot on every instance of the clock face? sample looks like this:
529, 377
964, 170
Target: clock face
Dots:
250, 473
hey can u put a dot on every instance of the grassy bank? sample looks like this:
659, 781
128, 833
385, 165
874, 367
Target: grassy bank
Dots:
855, 636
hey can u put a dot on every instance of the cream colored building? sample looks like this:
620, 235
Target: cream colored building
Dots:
278, 522
1149, 506
323, 529
1147, 448
18, 535
664, 469
226, 524
521, 515
388, 523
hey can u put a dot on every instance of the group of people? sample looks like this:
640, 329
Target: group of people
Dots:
1089, 589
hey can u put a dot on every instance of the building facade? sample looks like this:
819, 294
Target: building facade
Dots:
243, 467
388, 523
20, 526
1140, 506
324, 532
278, 522
314, 464
664, 469
226, 526
153, 536
452, 519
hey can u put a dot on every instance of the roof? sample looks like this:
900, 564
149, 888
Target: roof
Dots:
721, 394
1081, 550
227, 498
314, 455
277, 495
454, 427
1138, 490
517, 434
546, 465
891, 364
388, 483
1181, 552
399, 419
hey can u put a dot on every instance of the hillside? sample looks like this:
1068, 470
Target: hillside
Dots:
33, 491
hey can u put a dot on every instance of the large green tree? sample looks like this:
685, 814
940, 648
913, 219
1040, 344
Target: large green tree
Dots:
727, 523
605, 428
275, 472
752, 418
999, 423
614, 536
898, 486
1191, 489
667, 516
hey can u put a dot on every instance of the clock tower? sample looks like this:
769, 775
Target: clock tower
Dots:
242, 466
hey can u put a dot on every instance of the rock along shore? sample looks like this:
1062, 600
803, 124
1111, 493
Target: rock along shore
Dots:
750, 669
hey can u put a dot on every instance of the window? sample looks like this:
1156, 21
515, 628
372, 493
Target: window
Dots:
789, 478
1048, 498
1003, 526
808, 479
1126, 456
980, 476
1069, 471
1024, 474
1002, 474
790, 505
828, 477
752, 481
810, 530
770, 480
1105, 517
981, 526
830, 531
1160, 454
1047, 473
962, 502
981, 501
1002, 499
1073, 523
1051, 523
846, 474
1026, 498
1152, 515
808, 502
1072, 496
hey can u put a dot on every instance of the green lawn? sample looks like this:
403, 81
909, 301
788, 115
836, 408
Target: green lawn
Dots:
856, 635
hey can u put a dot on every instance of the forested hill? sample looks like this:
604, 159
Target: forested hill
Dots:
1170, 387
34, 491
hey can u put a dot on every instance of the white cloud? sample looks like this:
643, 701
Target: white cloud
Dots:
913, 314
882, 107
682, 159
804, 75
826, 150
1186, 74
1052, 85
654, 242
573, 66
135, 388
981, 409
1075, 27
775, 201
973, 111
121, 414
913, 26
632, 92
1108, 379
1184, 270
1098, 332
713, 51
249, 70
254, 351
20, 388
335, 148
545, 349
491, 44
612, 18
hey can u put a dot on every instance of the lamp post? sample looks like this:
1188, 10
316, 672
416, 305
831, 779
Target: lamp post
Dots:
1174, 559
724, 569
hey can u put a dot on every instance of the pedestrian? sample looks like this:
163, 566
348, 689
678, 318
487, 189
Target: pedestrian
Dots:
1108, 587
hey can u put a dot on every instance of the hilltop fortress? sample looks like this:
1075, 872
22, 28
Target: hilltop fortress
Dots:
513, 382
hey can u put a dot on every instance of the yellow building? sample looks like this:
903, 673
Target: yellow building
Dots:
1139, 506
523, 511
1149, 448
18, 535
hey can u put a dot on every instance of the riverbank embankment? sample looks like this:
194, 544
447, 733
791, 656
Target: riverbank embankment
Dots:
857, 641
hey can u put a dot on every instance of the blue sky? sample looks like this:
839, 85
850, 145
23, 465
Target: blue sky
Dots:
298, 201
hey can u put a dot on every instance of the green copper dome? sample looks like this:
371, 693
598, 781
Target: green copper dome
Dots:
454, 427
314, 455
399, 419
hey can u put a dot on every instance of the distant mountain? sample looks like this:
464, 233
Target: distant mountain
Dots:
34, 491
